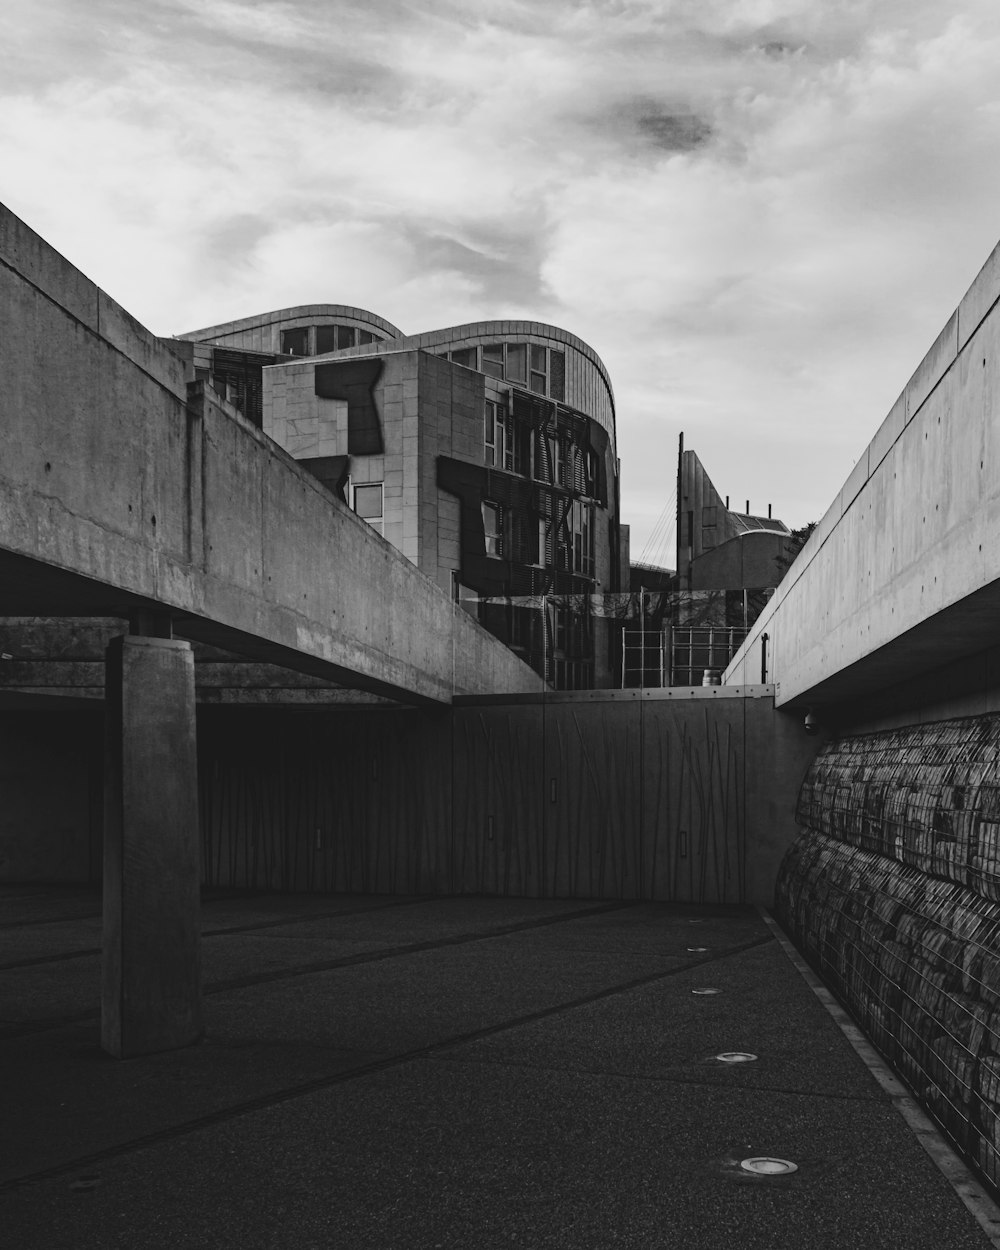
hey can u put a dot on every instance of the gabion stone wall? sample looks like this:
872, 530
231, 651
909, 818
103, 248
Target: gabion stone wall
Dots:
890, 892
926, 795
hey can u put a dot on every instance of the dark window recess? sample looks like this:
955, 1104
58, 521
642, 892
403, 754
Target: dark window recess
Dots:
490, 434
365, 337
238, 374
295, 342
326, 339
537, 383
557, 375
345, 336
537, 358
354, 381
493, 359
465, 356
493, 528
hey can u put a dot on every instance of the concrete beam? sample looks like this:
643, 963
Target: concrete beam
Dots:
123, 490
902, 575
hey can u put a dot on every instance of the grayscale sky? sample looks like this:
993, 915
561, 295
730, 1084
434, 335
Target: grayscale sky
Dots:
758, 212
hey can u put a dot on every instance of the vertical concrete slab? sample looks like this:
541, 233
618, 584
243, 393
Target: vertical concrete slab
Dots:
151, 992
778, 753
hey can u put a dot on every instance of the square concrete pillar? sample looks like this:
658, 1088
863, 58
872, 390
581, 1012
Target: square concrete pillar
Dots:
151, 975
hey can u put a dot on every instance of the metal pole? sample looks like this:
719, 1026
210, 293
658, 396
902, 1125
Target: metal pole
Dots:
642, 641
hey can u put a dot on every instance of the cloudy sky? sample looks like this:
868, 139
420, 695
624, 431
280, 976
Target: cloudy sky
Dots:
758, 212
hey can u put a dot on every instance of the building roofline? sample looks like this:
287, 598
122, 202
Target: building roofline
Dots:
297, 312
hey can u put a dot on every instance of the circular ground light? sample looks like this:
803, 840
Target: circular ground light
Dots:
736, 1056
706, 990
769, 1167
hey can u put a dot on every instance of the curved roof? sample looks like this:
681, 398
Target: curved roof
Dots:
514, 329
300, 312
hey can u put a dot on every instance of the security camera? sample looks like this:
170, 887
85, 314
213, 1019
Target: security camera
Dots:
811, 722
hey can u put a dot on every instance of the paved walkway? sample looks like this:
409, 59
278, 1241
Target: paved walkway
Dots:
465, 1073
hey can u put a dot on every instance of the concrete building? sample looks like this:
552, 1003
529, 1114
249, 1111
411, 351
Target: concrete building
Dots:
484, 452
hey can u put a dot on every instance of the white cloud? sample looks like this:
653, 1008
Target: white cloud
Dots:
758, 212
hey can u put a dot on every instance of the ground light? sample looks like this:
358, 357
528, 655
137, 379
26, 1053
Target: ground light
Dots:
763, 1166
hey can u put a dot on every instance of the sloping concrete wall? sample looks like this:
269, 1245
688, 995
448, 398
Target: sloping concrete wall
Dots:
902, 574
122, 488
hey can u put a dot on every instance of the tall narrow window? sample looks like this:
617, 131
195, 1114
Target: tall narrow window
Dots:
326, 339
592, 473
542, 528
345, 336
493, 528
517, 362
538, 370
557, 376
490, 433
368, 504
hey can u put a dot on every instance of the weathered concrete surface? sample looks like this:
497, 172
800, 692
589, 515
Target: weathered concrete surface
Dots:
151, 984
121, 488
902, 574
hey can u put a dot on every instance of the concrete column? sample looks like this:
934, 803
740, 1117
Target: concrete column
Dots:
151, 976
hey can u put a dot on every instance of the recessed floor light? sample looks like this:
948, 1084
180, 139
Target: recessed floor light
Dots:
769, 1167
707, 990
697, 950
736, 1056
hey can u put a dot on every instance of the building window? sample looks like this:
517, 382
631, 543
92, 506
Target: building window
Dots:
368, 504
493, 359
493, 528
537, 382
517, 363
467, 357
490, 434
326, 339
592, 473
542, 532
583, 539
295, 342
345, 336
365, 337
557, 375
557, 460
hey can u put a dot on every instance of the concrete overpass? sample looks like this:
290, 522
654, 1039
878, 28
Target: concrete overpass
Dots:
897, 591
128, 491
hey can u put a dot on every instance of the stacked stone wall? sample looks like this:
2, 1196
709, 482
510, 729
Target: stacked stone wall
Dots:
893, 892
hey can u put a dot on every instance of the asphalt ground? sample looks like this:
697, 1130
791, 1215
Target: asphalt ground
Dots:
464, 1072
